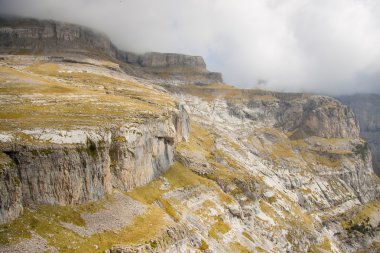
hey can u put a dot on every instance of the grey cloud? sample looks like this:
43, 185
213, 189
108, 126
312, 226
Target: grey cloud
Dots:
325, 46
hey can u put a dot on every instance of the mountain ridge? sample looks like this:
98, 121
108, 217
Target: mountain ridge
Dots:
99, 155
36, 35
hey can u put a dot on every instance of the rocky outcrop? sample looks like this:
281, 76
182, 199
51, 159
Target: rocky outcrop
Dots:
70, 171
261, 171
367, 111
326, 117
160, 60
172, 68
304, 116
10, 190
307, 119
40, 36
304, 147
27, 36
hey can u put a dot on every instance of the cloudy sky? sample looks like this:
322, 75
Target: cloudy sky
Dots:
325, 46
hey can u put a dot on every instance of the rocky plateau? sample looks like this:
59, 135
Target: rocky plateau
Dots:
103, 150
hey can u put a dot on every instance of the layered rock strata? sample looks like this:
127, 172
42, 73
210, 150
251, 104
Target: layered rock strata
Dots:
26, 36
366, 108
88, 169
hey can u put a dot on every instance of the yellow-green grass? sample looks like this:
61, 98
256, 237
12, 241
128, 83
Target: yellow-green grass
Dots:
277, 147
362, 214
218, 227
292, 217
46, 220
178, 176
248, 236
94, 81
238, 248
141, 230
62, 100
216, 90
324, 246
200, 140
204, 245
259, 249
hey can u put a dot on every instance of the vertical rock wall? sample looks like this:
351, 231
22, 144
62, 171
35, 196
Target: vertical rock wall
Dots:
68, 174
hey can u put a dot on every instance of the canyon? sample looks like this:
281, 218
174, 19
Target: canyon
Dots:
104, 150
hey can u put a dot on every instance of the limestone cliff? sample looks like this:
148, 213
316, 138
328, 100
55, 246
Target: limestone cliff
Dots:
366, 108
267, 144
70, 155
74, 172
25, 36
105, 154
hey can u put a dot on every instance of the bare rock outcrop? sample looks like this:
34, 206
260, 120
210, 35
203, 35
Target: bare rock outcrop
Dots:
36, 35
366, 108
26, 36
159, 60
305, 116
86, 170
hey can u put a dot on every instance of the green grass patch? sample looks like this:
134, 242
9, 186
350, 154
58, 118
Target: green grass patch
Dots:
45, 221
204, 245
148, 193
238, 248
180, 176
142, 230
248, 236
219, 227
325, 246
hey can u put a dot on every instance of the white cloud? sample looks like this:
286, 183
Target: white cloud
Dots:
327, 46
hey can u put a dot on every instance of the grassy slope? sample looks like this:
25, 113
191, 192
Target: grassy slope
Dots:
41, 95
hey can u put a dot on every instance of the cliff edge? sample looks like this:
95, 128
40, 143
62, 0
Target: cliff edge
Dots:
32, 36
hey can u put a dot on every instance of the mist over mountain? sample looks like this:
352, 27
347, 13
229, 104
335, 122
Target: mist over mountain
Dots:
367, 110
107, 150
327, 46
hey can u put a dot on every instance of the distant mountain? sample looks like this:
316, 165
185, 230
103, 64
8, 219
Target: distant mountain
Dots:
367, 110
29, 36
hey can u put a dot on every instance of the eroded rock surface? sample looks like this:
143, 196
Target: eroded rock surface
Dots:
27, 36
82, 139
366, 108
58, 162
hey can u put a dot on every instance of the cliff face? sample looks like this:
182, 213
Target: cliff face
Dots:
68, 140
19, 35
87, 169
366, 108
38, 35
159, 60
268, 145
303, 115
93, 159
309, 122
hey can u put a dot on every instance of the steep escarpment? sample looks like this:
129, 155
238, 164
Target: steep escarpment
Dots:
172, 68
72, 154
260, 171
366, 108
268, 145
85, 165
94, 158
311, 124
31, 36
301, 114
